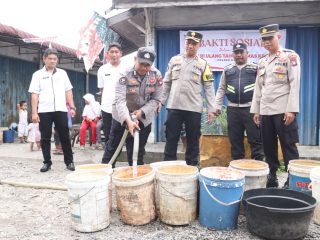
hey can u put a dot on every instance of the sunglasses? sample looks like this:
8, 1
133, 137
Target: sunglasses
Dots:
267, 38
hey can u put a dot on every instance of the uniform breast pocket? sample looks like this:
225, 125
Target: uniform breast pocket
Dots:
251, 71
132, 89
175, 72
280, 74
196, 75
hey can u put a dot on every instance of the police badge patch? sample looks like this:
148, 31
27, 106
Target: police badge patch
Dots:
123, 81
293, 60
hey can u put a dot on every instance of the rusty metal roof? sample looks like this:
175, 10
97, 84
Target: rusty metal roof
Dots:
17, 35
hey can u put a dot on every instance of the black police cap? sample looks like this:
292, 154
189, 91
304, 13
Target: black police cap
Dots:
239, 46
146, 55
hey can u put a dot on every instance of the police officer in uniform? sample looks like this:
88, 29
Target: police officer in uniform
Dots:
187, 77
275, 101
137, 92
237, 83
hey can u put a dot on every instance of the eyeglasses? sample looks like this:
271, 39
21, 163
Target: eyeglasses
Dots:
267, 38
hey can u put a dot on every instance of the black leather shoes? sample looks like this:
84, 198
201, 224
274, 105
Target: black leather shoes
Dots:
45, 168
71, 167
272, 181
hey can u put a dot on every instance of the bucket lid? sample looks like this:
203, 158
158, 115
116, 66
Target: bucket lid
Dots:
305, 163
221, 173
178, 170
86, 176
315, 174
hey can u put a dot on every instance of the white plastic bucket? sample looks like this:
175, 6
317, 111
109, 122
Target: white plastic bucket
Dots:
177, 187
135, 194
99, 167
88, 199
156, 166
255, 172
299, 174
315, 181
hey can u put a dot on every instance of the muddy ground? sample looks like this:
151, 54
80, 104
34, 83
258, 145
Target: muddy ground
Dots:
27, 213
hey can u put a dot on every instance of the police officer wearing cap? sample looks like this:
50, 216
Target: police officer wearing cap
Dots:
137, 92
187, 79
275, 101
237, 83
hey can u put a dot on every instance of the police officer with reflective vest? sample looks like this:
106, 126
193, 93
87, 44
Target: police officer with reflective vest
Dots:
187, 79
237, 83
275, 101
137, 93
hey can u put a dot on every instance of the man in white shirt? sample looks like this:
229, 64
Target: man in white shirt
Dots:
50, 90
108, 75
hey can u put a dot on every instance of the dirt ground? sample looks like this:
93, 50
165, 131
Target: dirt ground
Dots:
27, 213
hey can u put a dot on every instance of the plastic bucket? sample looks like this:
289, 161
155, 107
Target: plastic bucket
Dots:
299, 174
8, 136
88, 199
255, 172
177, 187
315, 181
99, 167
156, 166
135, 194
221, 191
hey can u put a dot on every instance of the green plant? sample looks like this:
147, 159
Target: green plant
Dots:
218, 127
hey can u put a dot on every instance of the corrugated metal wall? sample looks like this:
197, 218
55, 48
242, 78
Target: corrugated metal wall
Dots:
304, 40
15, 77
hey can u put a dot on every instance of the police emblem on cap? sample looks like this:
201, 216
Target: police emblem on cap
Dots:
238, 46
193, 34
264, 30
146, 55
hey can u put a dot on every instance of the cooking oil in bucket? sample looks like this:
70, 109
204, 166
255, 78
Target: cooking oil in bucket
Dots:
177, 187
88, 199
135, 194
315, 181
99, 167
255, 172
299, 174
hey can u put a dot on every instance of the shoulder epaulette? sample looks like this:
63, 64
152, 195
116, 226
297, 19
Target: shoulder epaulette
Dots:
288, 50
228, 66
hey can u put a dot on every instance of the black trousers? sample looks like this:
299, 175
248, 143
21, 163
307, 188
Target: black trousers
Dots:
60, 120
273, 127
116, 133
192, 121
239, 120
107, 120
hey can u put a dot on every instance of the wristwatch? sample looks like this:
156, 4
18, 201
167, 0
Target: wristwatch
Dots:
73, 108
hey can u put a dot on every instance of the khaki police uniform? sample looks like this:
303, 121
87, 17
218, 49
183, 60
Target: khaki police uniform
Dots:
237, 83
186, 82
277, 92
134, 92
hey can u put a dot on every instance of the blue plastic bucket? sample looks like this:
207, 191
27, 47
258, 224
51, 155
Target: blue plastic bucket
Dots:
299, 174
8, 136
221, 191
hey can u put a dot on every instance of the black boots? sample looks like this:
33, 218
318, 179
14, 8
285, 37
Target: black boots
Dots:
272, 181
45, 168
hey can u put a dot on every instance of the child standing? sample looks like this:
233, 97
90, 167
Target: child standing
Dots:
23, 121
34, 135
91, 114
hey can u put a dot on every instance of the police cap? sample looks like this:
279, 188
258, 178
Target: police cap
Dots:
146, 55
269, 30
239, 46
195, 36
